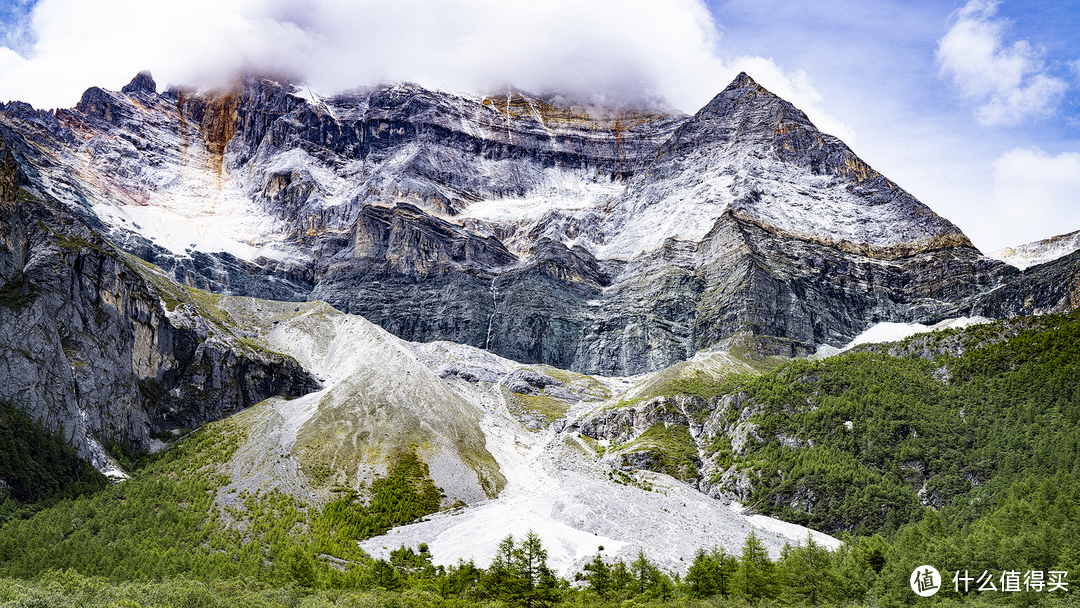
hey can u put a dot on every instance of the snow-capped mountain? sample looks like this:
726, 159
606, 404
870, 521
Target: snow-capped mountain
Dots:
1039, 252
753, 153
491, 269
604, 240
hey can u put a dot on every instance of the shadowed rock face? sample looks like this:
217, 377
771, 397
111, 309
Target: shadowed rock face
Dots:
610, 241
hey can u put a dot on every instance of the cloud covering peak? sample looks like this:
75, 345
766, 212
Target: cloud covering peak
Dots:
600, 47
609, 50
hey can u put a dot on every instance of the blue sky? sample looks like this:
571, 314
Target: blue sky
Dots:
922, 111
973, 106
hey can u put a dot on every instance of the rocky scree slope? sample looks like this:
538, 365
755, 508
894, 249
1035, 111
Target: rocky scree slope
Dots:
98, 345
601, 240
376, 404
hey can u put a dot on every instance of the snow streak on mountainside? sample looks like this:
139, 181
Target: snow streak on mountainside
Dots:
1039, 252
99, 346
603, 240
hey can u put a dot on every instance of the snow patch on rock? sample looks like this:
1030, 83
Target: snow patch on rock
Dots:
894, 332
1038, 252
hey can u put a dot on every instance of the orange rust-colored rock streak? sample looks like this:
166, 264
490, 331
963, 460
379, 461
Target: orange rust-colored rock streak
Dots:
219, 125
553, 117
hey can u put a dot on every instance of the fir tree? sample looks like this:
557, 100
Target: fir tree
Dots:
702, 577
756, 577
599, 577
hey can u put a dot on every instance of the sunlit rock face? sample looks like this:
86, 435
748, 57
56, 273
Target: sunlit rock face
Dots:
1039, 252
610, 240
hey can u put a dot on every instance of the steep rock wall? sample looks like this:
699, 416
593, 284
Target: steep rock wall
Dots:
87, 346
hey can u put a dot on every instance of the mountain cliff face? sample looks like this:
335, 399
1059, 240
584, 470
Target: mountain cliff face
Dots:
519, 242
600, 240
92, 348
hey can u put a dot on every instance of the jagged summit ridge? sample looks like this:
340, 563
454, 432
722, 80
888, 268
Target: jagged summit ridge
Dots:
614, 242
143, 82
1039, 252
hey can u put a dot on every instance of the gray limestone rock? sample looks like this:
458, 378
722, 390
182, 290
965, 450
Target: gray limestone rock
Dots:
87, 345
601, 240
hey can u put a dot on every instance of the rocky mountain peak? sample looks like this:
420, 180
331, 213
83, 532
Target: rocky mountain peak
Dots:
143, 82
744, 113
742, 80
579, 233
758, 155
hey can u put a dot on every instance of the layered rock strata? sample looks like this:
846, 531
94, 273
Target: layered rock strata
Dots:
601, 240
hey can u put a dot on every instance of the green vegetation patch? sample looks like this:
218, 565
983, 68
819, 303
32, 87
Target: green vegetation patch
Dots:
38, 469
545, 406
709, 379
160, 523
580, 383
170, 292
25, 196
958, 429
212, 307
706, 387
404, 495
17, 293
745, 353
668, 449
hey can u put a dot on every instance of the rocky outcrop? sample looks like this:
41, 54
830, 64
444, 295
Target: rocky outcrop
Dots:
1051, 287
87, 345
699, 439
663, 434
624, 424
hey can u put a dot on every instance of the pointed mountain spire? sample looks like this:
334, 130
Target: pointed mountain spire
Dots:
742, 80
142, 83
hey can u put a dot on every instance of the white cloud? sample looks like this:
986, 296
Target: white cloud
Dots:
1009, 81
604, 48
1035, 196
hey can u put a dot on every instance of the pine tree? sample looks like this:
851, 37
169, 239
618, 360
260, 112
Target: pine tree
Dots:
756, 576
301, 566
501, 582
599, 577
383, 574
621, 577
807, 570
644, 572
727, 565
702, 576
538, 582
